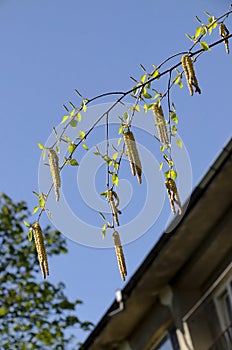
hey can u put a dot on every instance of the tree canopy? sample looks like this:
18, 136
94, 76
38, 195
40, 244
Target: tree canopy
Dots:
33, 314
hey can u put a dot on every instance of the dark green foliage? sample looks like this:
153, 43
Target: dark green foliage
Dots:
33, 315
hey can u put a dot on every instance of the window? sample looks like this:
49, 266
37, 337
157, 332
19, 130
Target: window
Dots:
224, 305
223, 302
225, 308
168, 342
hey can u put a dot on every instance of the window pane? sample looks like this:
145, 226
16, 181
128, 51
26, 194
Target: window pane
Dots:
226, 308
165, 345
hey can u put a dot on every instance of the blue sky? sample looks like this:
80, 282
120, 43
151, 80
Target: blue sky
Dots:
49, 48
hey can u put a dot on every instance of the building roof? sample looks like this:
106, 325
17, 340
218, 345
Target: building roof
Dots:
177, 256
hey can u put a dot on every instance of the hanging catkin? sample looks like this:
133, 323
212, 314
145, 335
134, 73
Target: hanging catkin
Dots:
120, 255
191, 79
173, 195
114, 203
223, 31
133, 155
40, 248
55, 171
160, 123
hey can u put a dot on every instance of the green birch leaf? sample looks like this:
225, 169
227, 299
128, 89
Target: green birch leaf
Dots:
214, 25
147, 95
85, 146
79, 116
156, 96
145, 107
126, 116
210, 29
178, 81
73, 123
155, 74
82, 134
30, 235
161, 166
143, 78
150, 105
65, 117
174, 128
67, 139
44, 154
179, 143
144, 90
204, 45
162, 148
83, 105
173, 174
192, 38
115, 156
120, 129
73, 162
203, 31
119, 141
198, 32
135, 90
107, 160
115, 179
26, 223
174, 117
104, 194
35, 210
71, 147
41, 200
104, 227
40, 145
